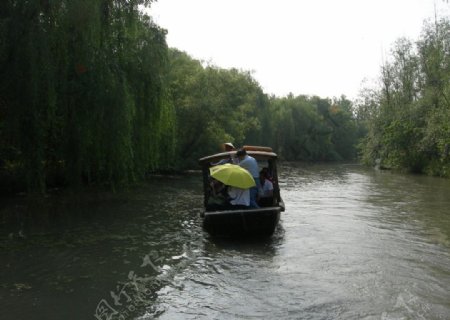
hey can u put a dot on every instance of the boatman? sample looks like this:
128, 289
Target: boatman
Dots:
250, 163
227, 147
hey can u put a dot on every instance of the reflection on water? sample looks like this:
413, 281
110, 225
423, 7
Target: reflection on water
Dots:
354, 243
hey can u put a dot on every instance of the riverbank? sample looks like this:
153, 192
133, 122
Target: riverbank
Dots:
12, 184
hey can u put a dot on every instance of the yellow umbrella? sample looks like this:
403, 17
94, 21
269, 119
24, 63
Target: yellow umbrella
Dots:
232, 175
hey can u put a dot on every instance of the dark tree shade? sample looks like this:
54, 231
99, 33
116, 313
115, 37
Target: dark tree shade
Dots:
82, 93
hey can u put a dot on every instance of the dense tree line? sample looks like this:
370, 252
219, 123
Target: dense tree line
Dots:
91, 94
82, 91
313, 129
214, 105
408, 116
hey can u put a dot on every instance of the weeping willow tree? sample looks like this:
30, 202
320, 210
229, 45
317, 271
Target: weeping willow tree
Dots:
82, 93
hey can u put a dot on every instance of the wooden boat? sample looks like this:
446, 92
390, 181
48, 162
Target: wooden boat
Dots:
245, 222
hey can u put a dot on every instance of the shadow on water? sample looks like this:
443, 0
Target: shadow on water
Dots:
61, 256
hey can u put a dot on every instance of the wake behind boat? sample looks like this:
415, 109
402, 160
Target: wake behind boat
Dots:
230, 220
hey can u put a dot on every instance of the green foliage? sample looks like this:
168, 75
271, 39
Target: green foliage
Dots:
408, 117
311, 128
215, 105
212, 105
85, 99
91, 94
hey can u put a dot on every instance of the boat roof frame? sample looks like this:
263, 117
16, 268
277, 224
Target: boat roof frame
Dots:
258, 155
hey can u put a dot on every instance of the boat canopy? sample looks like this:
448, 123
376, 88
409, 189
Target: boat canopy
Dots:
258, 155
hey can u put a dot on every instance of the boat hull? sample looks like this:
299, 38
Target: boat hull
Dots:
248, 222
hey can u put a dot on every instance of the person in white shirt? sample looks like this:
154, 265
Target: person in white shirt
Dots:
239, 197
227, 197
251, 165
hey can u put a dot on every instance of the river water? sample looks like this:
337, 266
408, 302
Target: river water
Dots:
354, 243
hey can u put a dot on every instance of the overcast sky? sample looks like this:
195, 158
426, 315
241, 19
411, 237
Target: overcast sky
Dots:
315, 47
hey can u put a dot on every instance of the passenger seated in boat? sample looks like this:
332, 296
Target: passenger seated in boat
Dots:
218, 195
239, 198
224, 197
266, 192
267, 175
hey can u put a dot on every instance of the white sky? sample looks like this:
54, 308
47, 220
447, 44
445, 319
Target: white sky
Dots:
313, 47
